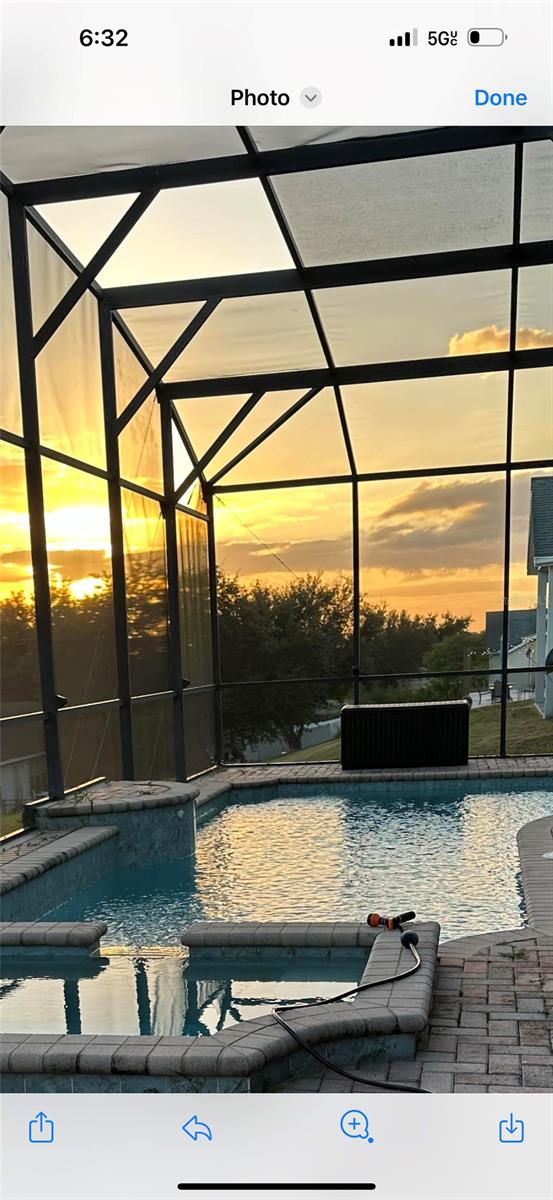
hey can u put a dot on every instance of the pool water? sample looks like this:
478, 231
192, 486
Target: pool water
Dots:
446, 849
157, 995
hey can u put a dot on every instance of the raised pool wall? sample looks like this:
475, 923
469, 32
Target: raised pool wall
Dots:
34, 886
379, 1025
156, 821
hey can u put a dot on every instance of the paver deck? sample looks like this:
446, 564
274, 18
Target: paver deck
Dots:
490, 1027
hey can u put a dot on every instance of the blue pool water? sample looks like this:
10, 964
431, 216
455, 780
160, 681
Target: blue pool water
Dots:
446, 849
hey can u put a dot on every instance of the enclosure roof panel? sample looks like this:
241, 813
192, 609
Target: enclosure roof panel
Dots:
280, 137
56, 152
438, 202
220, 229
250, 335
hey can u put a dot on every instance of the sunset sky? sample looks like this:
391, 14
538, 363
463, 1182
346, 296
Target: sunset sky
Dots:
427, 544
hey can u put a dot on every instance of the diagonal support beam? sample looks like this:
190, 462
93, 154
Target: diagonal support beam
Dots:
89, 273
53, 239
220, 440
267, 433
167, 361
342, 417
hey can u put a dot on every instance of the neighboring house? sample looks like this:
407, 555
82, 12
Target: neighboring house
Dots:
523, 655
540, 563
522, 624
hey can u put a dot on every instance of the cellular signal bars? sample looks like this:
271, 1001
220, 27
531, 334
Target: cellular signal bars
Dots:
409, 38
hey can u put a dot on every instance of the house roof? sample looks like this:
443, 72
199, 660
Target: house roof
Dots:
540, 533
522, 624
527, 641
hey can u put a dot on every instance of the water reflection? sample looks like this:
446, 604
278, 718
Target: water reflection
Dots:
156, 995
449, 853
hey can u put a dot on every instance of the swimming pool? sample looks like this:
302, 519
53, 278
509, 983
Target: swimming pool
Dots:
159, 994
447, 849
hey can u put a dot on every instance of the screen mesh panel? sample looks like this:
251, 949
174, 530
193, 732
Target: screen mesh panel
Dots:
51, 152
415, 423
252, 334
188, 233
311, 442
11, 408
408, 206
417, 318
537, 192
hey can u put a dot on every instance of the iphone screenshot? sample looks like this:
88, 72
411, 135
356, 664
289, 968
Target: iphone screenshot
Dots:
276, 600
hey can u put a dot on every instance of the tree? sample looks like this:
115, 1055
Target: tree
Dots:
268, 633
461, 651
393, 641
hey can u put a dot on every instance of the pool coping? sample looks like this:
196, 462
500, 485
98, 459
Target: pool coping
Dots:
47, 849
257, 1052
17, 938
213, 785
534, 841
104, 797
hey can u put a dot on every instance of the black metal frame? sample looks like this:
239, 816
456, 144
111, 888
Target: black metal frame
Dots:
148, 181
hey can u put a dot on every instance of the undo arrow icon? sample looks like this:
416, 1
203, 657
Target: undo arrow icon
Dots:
195, 1129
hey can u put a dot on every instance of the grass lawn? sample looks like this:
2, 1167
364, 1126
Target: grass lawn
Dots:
527, 733
9, 822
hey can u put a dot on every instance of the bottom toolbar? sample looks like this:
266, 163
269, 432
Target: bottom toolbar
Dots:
92, 1146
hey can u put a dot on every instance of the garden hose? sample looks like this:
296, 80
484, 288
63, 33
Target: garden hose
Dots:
409, 940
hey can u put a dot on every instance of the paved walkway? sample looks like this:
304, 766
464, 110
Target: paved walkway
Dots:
490, 1027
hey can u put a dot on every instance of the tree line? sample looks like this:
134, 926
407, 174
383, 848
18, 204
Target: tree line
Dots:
302, 630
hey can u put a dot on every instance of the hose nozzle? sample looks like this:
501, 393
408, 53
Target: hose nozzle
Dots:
374, 919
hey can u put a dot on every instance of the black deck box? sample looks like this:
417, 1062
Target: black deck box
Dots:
435, 734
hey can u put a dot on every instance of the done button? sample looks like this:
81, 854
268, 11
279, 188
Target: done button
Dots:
499, 99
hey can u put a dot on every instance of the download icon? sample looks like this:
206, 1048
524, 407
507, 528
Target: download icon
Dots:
511, 1130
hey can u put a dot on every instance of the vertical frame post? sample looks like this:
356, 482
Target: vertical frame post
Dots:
173, 586
356, 591
215, 646
117, 539
517, 207
35, 495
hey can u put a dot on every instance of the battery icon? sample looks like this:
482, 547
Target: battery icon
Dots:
486, 37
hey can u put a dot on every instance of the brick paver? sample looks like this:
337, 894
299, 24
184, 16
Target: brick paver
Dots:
496, 1036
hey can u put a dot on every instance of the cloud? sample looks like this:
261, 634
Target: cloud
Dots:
452, 497
439, 526
12, 573
436, 527
491, 340
77, 564
317, 554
